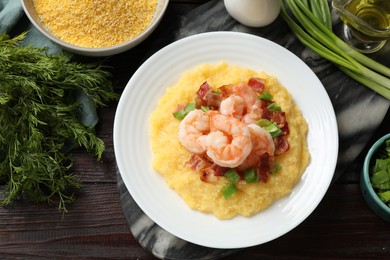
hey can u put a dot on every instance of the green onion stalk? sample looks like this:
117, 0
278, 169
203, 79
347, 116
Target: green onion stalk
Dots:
313, 27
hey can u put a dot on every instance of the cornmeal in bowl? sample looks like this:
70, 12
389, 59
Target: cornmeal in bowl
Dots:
173, 160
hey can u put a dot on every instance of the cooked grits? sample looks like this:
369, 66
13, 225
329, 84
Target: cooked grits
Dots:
170, 157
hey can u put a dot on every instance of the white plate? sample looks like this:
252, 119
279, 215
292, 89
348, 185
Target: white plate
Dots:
163, 205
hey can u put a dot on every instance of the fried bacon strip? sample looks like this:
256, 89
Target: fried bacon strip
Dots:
206, 97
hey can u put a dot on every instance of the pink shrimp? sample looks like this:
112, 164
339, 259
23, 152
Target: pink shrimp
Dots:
233, 106
254, 113
242, 104
262, 143
246, 93
229, 143
193, 130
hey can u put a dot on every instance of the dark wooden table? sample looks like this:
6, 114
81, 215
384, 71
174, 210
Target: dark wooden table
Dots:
341, 227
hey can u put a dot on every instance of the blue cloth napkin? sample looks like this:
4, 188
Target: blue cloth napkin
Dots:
10, 13
13, 21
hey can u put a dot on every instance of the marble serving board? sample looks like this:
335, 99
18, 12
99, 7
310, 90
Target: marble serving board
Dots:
350, 101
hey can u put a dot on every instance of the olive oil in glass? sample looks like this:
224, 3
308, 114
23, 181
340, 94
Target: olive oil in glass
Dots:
366, 23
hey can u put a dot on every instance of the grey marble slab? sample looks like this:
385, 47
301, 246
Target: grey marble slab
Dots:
359, 112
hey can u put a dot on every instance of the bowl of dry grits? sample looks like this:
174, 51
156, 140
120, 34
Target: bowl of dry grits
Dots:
226, 139
95, 28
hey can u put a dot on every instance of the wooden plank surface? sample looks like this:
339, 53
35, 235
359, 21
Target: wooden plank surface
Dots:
341, 227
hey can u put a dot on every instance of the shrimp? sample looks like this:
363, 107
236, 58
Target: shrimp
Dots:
246, 93
233, 106
253, 114
262, 143
193, 130
229, 143
242, 104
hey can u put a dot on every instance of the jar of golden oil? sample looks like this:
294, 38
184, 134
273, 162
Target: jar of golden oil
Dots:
366, 23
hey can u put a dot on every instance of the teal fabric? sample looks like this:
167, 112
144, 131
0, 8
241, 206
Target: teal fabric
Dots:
11, 12
13, 21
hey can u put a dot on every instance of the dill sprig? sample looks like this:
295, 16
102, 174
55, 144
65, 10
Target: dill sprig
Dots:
39, 121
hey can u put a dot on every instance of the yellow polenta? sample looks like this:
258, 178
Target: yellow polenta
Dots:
170, 157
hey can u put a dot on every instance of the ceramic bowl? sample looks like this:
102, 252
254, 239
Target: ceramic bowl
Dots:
29, 9
373, 201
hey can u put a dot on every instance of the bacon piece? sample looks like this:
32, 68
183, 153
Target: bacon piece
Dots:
213, 100
281, 145
200, 99
226, 90
208, 170
267, 114
285, 129
263, 167
199, 102
257, 84
198, 162
218, 170
203, 90
264, 103
210, 174
206, 97
278, 117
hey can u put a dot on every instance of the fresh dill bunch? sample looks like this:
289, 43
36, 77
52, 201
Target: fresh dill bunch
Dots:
39, 121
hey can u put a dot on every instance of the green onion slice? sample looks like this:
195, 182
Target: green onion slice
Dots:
232, 176
384, 196
251, 176
265, 96
274, 106
277, 168
263, 122
229, 190
272, 128
205, 108
179, 114
380, 175
183, 112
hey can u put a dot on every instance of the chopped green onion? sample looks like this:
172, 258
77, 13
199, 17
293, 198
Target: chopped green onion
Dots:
229, 190
276, 133
265, 96
183, 112
179, 114
263, 122
385, 197
274, 106
383, 186
205, 108
232, 176
270, 127
251, 176
276, 169
190, 107
381, 165
380, 175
